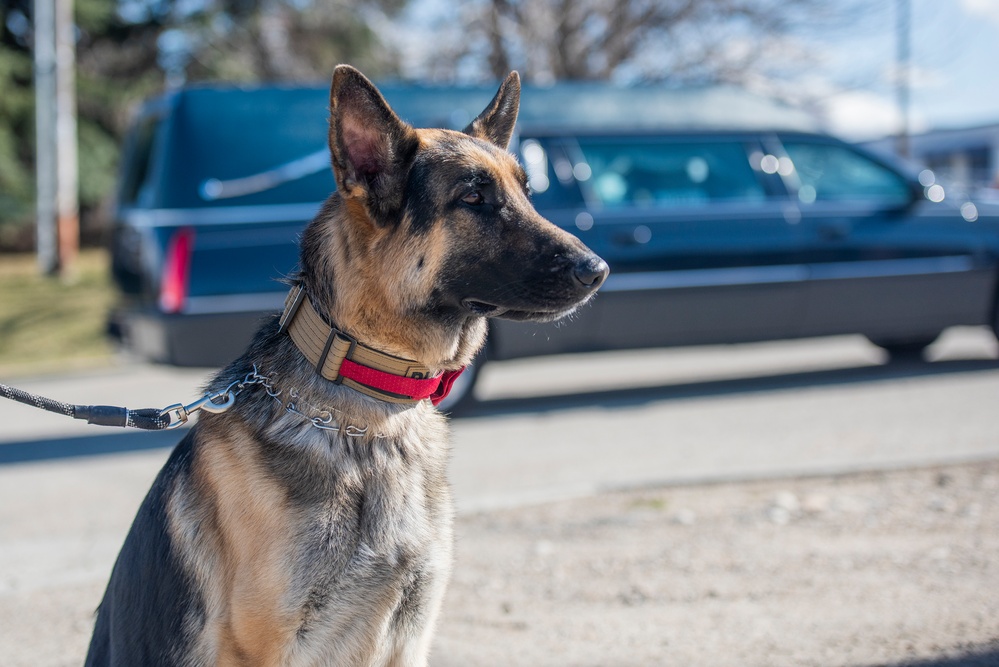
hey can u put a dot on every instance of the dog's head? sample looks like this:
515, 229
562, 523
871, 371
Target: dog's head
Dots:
444, 218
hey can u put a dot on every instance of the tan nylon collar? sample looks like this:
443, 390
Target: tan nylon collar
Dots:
326, 348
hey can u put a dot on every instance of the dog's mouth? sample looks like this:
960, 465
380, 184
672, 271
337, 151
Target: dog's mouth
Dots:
541, 296
486, 309
482, 308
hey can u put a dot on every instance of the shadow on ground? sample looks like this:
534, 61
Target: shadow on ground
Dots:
122, 441
988, 657
633, 397
88, 445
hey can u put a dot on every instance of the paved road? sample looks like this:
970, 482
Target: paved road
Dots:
726, 413
557, 428
545, 429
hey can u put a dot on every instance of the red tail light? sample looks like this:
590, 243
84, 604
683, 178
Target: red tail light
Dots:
176, 271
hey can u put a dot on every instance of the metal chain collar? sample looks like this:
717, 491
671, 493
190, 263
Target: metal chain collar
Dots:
320, 417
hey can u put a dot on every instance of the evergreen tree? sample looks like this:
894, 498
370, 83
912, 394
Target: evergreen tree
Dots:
128, 50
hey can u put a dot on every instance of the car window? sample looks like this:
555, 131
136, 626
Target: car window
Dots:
831, 172
137, 163
649, 173
549, 174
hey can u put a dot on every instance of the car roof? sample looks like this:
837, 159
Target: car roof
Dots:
575, 106
221, 132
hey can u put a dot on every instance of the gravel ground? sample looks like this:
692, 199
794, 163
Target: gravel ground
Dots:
896, 568
893, 568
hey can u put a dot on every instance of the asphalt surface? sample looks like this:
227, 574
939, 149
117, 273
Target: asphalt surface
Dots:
543, 431
564, 427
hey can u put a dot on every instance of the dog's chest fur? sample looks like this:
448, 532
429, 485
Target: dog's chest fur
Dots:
329, 549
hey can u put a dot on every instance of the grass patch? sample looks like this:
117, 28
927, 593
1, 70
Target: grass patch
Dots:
48, 324
656, 504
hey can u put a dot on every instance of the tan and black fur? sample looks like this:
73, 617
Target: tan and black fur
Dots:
267, 541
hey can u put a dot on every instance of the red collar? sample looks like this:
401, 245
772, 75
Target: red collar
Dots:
341, 359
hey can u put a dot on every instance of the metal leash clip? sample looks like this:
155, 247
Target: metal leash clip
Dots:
216, 403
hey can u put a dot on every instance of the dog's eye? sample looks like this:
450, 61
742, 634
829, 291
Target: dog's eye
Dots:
474, 199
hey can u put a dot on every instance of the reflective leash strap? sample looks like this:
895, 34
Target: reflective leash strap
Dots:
178, 414
149, 419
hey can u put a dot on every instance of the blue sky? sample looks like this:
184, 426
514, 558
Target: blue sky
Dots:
955, 68
954, 52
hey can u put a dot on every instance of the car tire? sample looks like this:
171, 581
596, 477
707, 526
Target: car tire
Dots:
462, 395
904, 350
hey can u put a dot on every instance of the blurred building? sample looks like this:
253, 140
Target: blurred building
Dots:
966, 157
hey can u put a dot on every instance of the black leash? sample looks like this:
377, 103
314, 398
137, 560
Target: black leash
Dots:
149, 419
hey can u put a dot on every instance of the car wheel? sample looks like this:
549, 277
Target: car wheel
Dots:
462, 395
904, 350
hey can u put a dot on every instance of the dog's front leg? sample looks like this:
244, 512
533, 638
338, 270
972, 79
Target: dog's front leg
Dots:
414, 622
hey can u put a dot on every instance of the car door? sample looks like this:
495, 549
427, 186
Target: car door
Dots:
882, 259
697, 239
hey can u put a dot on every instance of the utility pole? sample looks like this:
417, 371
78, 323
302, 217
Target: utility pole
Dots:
58, 223
67, 167
902, 72
45, 139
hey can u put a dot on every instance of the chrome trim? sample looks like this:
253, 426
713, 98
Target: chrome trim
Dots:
888, 268
262, 302
656, 280
213, 188
222, 215
791, 273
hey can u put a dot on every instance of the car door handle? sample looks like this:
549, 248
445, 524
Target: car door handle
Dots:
834, 230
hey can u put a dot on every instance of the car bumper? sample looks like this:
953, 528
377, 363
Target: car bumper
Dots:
208, 339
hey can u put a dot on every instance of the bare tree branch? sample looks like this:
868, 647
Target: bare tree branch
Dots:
678, 41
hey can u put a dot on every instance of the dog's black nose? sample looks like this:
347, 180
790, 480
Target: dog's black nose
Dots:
591, 272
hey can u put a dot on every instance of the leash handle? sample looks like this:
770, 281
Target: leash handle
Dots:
102, 415
148, 419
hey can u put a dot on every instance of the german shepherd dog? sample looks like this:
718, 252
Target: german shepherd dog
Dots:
311, 523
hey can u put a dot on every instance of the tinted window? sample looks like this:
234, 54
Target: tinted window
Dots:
135, 172
650, 173
831, 172
242, 148
549, 174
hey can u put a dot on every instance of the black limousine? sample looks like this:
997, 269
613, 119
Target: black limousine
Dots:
724, 218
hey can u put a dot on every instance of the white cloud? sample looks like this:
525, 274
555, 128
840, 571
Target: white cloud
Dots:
988, 9
858, 115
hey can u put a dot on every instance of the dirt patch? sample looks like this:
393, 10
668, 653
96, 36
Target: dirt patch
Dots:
891, 568
897, 568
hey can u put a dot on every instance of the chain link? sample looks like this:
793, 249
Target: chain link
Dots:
321, 418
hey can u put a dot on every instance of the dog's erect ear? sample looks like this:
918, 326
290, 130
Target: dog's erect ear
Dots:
371, 148
496, 123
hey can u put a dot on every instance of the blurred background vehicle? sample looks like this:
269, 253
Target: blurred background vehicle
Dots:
724, 217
